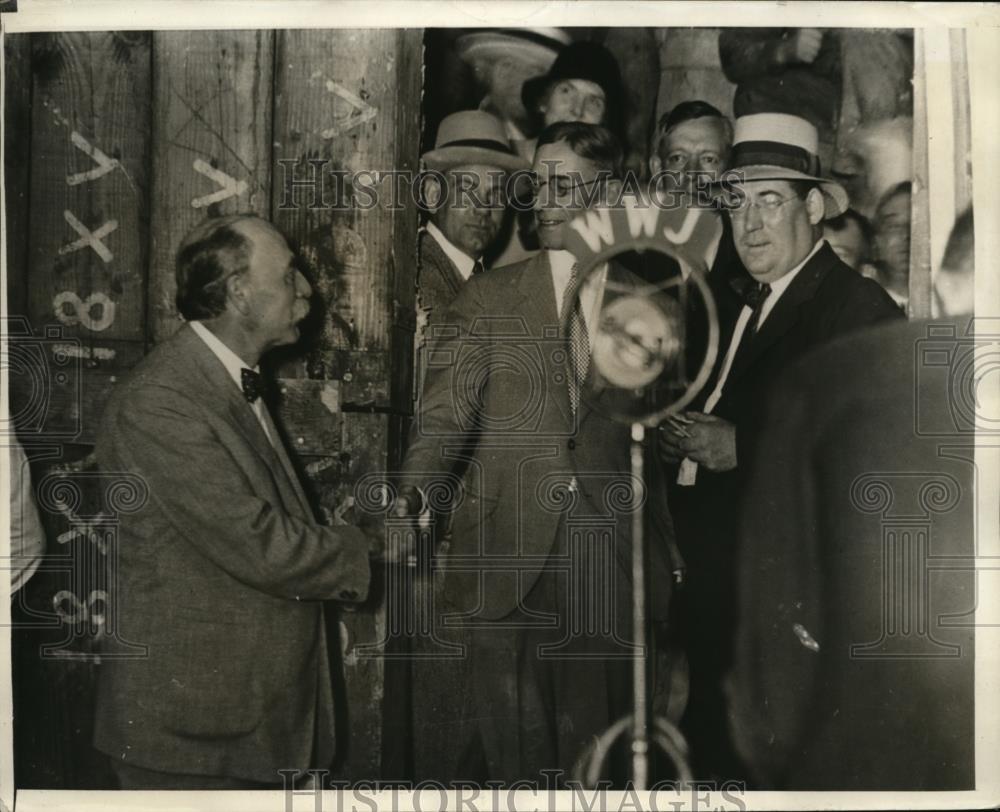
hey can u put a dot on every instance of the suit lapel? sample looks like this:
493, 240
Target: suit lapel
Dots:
538, 306
222, 393
286, 463
786, 312
435, 255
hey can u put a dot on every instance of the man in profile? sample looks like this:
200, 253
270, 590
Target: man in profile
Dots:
224, 570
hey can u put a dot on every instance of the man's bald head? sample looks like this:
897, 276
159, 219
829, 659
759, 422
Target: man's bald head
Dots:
212, 251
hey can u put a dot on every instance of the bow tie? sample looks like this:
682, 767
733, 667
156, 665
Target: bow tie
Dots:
752, 293
253, 384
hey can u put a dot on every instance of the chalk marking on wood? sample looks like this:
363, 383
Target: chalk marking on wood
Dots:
360, 113
80, 611
230, 186
104, 163
75, 351
81, 310
89, 238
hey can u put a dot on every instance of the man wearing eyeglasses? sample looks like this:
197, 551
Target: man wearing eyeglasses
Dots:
801, 296
537, 582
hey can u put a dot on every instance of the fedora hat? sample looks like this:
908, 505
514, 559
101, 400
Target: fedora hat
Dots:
581, 60
778, 146
472, 137
535, 46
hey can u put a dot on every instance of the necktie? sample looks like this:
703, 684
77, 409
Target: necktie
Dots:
253, 384
754, 295
579, 342
478, 267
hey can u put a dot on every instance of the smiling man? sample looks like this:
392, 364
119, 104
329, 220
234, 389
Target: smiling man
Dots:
224, 570
503, 402
800, 295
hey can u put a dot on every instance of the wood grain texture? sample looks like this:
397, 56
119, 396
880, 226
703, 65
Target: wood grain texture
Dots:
212, 103
91, 94
359, 634
351, 99
919, 304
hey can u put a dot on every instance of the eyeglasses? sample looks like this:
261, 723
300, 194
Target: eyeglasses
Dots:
768, 205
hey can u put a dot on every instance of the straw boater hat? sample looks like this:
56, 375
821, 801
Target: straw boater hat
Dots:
777, 146
472, 137
538, 46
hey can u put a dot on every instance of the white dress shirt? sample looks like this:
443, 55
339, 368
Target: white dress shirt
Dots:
458, 257
591, 295
688, 471
234, 366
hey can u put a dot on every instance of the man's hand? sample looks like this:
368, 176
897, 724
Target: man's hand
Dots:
396, 547
409, 503
802, 46
711, 442
669, 439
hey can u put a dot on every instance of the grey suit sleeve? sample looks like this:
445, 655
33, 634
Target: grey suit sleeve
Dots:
451, 399
196, 483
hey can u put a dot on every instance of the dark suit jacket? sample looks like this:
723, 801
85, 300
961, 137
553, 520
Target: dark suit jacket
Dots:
825, 300
864, 475
438, 280
222, 574
496, 382
726, 268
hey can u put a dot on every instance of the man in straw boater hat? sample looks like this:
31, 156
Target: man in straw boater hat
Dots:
801, 296
465, 188
503, 59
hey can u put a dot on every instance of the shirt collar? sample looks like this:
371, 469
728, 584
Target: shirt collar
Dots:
459, 258
230, 360
778, 286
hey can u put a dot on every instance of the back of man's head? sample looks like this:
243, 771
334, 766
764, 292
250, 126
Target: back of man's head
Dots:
210, 253
591, 141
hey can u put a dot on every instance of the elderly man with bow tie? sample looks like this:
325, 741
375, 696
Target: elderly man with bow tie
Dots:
223, 572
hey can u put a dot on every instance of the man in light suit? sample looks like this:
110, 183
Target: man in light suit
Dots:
802, 296
539, 511
224, 570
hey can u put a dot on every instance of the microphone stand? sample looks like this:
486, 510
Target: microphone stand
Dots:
640, 725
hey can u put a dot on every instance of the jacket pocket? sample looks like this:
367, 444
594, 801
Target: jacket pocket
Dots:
210, 680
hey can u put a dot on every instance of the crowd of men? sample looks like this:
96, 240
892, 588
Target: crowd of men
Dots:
533, 541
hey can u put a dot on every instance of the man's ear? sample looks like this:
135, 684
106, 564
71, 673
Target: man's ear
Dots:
237, 293
815, 206
430, 189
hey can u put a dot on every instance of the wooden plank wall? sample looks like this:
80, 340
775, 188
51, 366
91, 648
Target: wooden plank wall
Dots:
131, 139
